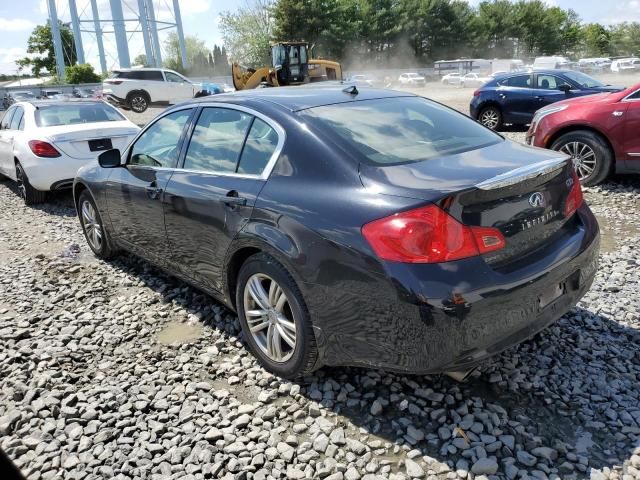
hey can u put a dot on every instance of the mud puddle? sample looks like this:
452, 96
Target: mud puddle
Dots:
614, 232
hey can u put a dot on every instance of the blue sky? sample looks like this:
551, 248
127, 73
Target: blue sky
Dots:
200, 18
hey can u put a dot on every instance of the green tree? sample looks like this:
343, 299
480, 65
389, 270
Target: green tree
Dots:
141, 60
81, 73
625, 39
40, 46
496, 28
196, 51
247, 33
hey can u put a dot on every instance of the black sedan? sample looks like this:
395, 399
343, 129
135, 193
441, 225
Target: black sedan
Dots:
371, 228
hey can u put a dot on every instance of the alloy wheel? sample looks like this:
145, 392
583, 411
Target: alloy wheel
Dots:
584, 158
20, 180
138, 104
490, 119
269, 317
92, 227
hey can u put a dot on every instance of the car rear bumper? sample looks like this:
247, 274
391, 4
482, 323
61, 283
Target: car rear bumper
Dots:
452, 316
52, 173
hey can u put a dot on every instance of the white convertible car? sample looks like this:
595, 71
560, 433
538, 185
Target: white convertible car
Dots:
43, 143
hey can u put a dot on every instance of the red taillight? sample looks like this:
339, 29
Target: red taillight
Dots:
113, 82
43, 149
428, 235
575, 198
476, 93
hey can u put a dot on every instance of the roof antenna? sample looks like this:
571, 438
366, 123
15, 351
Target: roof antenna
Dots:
351, 90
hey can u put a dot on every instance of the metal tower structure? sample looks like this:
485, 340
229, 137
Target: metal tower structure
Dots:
140, 20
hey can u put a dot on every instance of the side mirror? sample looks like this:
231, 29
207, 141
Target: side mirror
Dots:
564, 88
110, 158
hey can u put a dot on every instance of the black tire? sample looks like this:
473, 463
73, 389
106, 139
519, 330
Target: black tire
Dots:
491, 117
30, 195
138, 101
104, 249
580, 141
304, 355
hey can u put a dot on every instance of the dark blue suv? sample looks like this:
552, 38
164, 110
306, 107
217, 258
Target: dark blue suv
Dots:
513, 98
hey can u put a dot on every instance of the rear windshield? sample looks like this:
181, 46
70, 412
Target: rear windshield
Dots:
71, 114
395, 131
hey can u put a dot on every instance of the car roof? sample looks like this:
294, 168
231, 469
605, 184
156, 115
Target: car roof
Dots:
302, 97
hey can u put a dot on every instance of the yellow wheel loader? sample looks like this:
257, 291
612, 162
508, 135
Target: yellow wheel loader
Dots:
291, 65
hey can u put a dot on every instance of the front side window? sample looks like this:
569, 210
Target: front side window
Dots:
158, 145
634, 96
74, 113
549, 82
398, 131
172, 77
519, 81
217, 140
17, 118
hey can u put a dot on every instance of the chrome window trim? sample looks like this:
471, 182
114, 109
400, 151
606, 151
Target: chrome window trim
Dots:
627, 99
266, 172
634, 154
125, 155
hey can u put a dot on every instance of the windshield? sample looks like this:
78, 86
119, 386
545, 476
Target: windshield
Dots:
395, 131
583, 80
75, 113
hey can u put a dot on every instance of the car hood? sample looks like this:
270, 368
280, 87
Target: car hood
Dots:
435, 178
590, 99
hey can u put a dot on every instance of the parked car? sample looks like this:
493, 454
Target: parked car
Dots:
600, 133
474, 80
514, 98
20, 96
626, 65
372, 228
49, 94
361, 80
43, 143
137, 88
412, 80
551, 63
85, 92
451, 79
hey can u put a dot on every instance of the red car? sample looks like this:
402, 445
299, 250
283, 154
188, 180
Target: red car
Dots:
601, 133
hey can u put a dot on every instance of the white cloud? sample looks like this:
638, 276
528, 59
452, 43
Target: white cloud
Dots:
625, 11
16, 24
8, 57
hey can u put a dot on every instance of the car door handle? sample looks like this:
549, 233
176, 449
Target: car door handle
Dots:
233, 200
502, 95
153, 191
538, 97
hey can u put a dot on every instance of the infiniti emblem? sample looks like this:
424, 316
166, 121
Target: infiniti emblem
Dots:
536, 200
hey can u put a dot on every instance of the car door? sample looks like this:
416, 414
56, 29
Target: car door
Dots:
515, 97
180, 88
6, 143
631, 140
548, 90
134, 192
209, 200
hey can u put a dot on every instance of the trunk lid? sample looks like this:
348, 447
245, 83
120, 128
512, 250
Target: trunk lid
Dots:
519, 190
88, 140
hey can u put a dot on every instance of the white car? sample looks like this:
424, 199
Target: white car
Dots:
137, 88
412, 80
44, 143
626, 65
474, 80
452, 79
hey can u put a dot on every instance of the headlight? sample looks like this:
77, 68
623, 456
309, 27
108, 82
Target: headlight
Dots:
543, 112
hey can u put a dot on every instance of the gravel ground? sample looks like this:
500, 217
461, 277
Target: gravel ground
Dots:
115, 370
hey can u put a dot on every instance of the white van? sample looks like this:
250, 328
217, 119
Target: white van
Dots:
551, 63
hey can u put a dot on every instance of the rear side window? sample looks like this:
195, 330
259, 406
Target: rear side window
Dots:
139, 75
520, 81
75, 113
217, 140
395, 131
157, 146
6, 120
17, 118
260, 145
